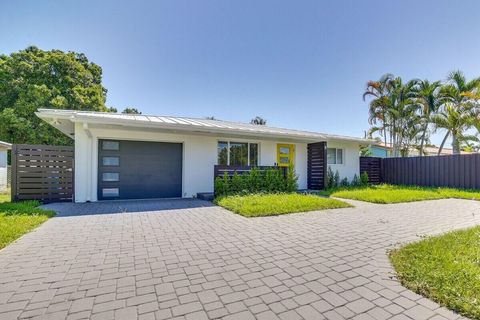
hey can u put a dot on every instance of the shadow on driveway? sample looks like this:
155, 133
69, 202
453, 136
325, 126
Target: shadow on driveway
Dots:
67, 209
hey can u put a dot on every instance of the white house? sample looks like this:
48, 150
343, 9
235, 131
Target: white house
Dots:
4, 147
129, 156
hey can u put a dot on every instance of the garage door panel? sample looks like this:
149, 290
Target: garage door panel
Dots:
143, 169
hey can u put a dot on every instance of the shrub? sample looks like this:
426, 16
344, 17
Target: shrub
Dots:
330, 178
291, 179
336, 179
355, 181
222, 185
254, 181
272, 180
344, 182
236, 184
364, 179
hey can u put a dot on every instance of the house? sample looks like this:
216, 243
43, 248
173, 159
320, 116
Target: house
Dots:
130, 156
380, 150
4, 147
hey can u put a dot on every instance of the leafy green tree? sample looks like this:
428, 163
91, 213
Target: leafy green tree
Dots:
34, 78
131, 111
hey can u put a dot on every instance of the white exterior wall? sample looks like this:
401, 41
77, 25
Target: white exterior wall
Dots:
351, 159
3, 169
199, 158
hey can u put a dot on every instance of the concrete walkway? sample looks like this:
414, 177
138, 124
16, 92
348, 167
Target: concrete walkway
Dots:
187, 259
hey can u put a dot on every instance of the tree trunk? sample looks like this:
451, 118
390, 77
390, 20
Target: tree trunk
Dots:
455, 144
385, 138
422, 141
443, 142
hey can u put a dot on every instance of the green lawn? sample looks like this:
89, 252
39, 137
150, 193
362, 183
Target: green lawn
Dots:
445, 269
385, 193
17, 219
261, 205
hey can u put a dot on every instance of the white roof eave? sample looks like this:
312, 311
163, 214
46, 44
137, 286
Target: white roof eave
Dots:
187, 125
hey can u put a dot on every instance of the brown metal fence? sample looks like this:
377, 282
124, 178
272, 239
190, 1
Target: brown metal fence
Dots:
458, 171
373, 167
41, 172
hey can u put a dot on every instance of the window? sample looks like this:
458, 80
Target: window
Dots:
111, 161
110, 192
237, 153
334, 156
253, 157
222, 153
110, 145
110, 176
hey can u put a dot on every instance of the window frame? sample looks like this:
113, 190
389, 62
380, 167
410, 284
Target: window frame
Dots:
342, 150
248, 150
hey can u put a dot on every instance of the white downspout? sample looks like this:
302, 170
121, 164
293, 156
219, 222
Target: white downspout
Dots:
89, 162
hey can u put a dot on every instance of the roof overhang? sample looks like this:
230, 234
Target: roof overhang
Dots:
5, 145
64, 120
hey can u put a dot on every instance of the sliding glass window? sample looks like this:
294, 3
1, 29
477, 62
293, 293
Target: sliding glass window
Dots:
237, 153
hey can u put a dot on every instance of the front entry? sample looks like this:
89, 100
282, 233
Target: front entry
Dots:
139, 169
285, 154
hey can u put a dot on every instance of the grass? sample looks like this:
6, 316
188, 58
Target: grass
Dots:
261, 205
385, 193
445, 269
19, 218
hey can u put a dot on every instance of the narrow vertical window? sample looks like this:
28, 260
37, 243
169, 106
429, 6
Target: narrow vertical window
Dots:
222, 150
253, 148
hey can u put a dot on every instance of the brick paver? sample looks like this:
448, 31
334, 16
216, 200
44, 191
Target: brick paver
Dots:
187, 259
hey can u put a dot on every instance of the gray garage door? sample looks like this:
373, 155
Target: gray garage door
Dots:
139, 170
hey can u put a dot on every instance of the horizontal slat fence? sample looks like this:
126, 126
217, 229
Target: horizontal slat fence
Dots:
316, 165
220, 170
373, 167
456, 171
43, 173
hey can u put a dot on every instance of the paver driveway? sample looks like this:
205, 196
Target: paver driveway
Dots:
187, 259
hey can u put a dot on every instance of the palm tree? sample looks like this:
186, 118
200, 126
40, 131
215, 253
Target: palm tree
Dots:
379, 91
456, 121
259, 121
461, 99
430, 100
403, 114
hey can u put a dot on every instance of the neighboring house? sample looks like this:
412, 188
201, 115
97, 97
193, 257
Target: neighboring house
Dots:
126, 156
379, 150
4, 147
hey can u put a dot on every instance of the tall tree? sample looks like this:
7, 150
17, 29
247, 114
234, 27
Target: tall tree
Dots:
430, 100
258, 121
460, 108
378, 91
34, 78
131, 111
456, 122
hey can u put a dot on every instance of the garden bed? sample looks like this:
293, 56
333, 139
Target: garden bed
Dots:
445, 269
385, 193
260, 205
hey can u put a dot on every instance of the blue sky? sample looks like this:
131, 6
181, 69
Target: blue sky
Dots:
299, 64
